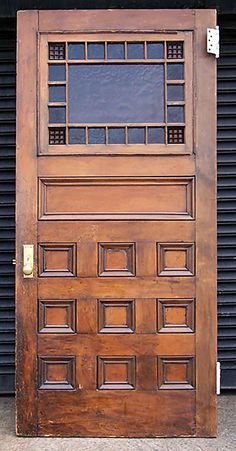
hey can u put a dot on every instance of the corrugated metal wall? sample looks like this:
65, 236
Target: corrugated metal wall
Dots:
226, 205
7, 201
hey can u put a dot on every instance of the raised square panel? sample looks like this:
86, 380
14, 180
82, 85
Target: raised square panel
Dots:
116, 259
116, 373
57, 316
56, 373
116, 316
57, 260
176, 373
175, 315
175, 259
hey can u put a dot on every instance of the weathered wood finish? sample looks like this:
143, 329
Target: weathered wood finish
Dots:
116, 331
206, 312
26, 214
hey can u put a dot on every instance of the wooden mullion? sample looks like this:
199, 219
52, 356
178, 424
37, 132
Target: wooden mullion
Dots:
126, 135
85, 51
106, 135
165, 93
57, 104
118, 61
117, 124
105, 50
67, 95
86, 135
175, 102
175, 82
56, 83
56, 61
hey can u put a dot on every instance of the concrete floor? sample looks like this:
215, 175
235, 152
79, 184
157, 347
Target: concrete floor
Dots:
225, 441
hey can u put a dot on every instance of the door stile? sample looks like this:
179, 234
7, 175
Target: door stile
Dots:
206, 267
26, 220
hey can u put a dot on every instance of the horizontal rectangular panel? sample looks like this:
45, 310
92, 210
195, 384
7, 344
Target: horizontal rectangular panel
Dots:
93, 198
77, 420
142, 344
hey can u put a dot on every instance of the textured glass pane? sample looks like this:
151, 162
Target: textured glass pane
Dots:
108, 93
136, 135
77, 135
175, 114
175, 50
57, 135
57, 93
155, 50
56, 51
175, 135
116, 135
136, 50
175, 92
96, 135
57, 115
76, 51
96, 51
57, 72
175, 71
156, 135
115, 51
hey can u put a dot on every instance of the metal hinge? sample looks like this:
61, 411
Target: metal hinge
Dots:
213, 41
218, 378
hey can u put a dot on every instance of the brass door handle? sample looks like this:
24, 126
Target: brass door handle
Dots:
28, 260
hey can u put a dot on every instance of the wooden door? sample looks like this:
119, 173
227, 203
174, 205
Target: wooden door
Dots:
116, 192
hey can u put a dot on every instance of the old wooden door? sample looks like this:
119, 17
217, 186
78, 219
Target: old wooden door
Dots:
116, 192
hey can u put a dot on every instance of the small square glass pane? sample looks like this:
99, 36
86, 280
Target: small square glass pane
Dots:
175, 93
57, 72
175, 50
156, 135
56, 50
116, 135
96, 135
96, 51
175, 71
57, 135
136, 135
76, 51
57, 115
115, 51
77, 135
175, 114
155, 50
135, 50
57, 93
175, 135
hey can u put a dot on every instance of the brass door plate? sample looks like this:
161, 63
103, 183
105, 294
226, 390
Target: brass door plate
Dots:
28, 260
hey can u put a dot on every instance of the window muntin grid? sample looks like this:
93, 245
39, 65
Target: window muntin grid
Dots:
168, 54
